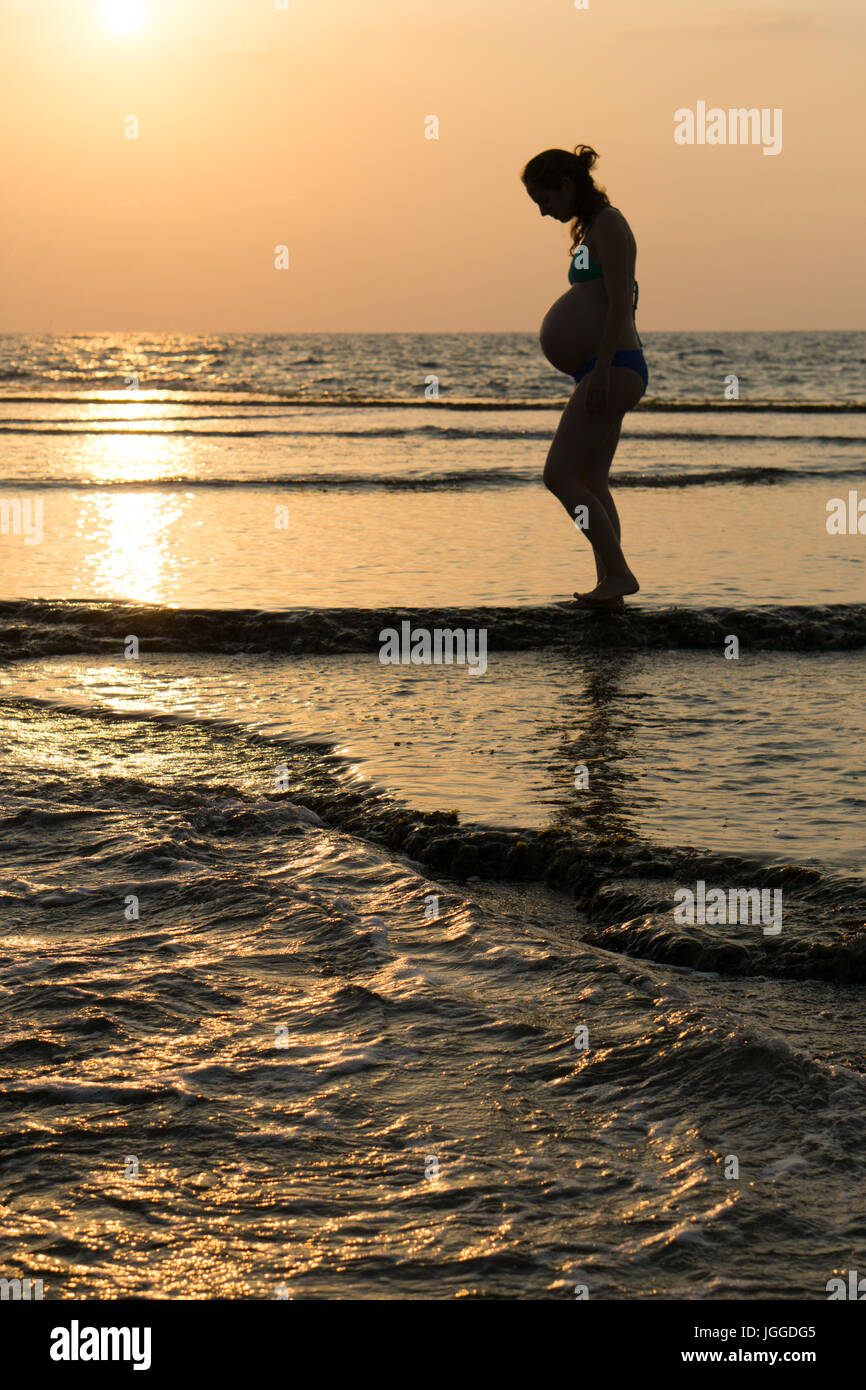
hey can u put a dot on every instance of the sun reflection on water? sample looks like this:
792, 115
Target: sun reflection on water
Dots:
129, 549
129, 537
124, 458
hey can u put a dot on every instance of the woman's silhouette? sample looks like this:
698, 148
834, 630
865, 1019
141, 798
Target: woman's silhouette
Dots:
590, 334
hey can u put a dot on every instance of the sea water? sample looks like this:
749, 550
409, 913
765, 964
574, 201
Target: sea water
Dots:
324, 977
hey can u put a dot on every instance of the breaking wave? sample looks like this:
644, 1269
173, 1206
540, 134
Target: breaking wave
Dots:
48, 627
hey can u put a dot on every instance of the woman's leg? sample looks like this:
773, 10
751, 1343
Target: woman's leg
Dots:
581, 440
595, 477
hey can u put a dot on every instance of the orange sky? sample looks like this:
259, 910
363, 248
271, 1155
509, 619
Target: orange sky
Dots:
305, 126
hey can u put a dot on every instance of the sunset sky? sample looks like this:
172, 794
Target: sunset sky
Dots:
305, 126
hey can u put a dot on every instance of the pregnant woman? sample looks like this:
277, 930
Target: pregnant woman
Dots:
590, 334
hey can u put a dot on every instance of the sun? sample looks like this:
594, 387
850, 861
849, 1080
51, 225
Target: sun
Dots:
123, 16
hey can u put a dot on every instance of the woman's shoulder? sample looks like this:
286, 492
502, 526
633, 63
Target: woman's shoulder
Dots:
609, 215
610, 220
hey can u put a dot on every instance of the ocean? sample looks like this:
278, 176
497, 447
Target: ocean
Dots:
324, 977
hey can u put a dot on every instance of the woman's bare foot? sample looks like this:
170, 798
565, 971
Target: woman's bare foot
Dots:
611, 587
582, 602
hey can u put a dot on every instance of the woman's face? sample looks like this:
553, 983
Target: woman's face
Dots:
554, 202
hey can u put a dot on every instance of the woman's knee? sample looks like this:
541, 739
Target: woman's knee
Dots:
594, 477
582, 456
553, 482
554, 475
582, 477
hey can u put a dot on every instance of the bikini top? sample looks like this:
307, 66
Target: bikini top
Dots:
578, 274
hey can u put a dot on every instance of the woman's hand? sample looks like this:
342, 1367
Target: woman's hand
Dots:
597, 388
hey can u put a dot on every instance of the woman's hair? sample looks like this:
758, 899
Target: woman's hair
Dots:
548, 169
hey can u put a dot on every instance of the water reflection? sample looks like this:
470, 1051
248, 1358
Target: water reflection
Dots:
129, 544
605, 735
124, 458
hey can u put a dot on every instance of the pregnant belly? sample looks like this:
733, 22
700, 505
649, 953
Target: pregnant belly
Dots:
572, 327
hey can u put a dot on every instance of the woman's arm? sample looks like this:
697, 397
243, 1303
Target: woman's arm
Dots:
612, 251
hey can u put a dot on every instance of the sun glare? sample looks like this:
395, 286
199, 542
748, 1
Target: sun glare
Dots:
123, 16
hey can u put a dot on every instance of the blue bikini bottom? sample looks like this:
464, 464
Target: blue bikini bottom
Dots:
626, 357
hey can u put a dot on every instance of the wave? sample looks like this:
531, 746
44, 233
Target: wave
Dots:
623, 886
174, 426
48, 627
466, 480
793, 954
169, 393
